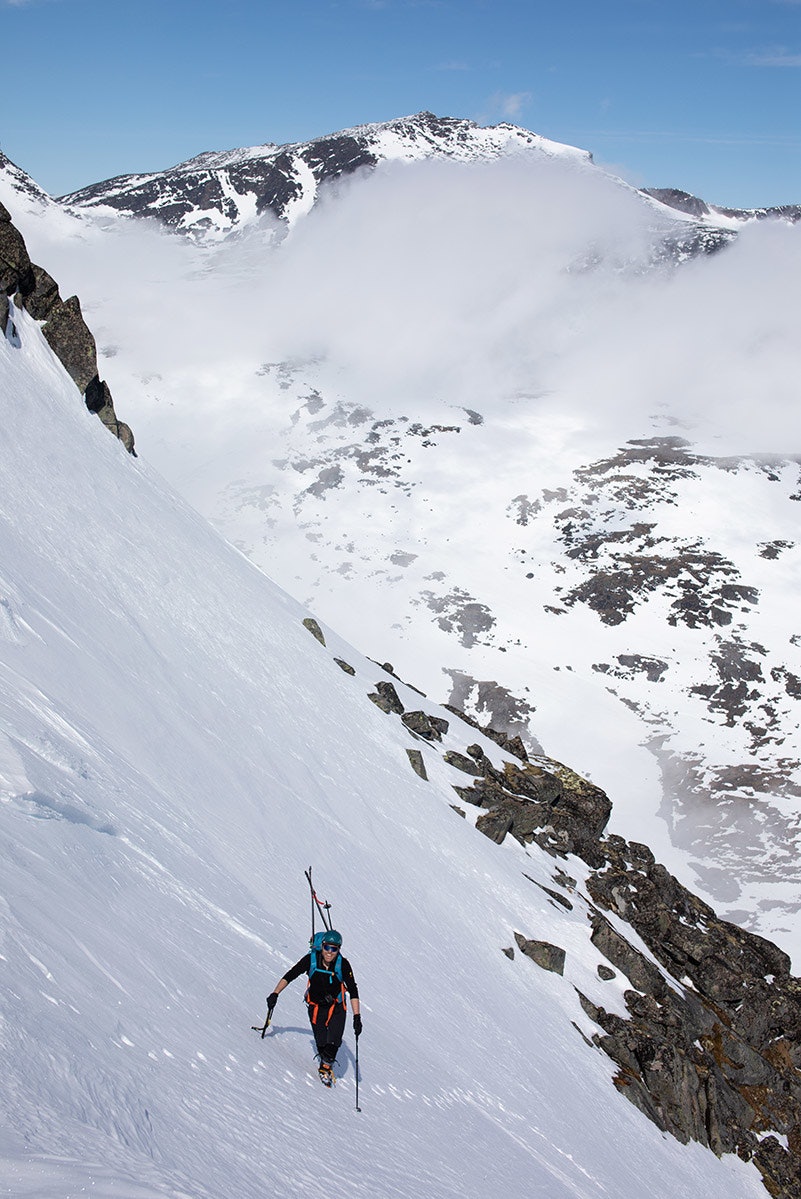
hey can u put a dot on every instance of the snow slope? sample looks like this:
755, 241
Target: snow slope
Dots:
174, 749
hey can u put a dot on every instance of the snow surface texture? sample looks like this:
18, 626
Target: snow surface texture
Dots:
175, 748
411, 413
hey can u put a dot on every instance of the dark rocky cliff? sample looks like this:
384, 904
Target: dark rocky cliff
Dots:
27, 286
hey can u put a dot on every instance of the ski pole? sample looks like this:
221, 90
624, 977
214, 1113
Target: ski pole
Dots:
358, 1109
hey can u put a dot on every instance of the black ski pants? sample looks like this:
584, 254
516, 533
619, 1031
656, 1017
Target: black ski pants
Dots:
328, 1026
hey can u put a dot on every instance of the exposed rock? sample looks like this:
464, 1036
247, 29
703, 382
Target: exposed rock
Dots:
97, 396
311, 624
45, 295
718, 1061
390, 696
380, 701
344, 666
64, 327
638, 969
549, 957
605, 973
108, 417
16, 270
431, 728
418, 765
460, 762
557, 808
495, 825
510, 953
71, 341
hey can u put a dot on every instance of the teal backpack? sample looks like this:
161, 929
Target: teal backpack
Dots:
316, 961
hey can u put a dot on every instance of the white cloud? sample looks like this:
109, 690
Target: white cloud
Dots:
776, 59
511, 104
772, 56
519, 288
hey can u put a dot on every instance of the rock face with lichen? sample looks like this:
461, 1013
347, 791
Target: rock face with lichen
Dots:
24, 285
718, 1058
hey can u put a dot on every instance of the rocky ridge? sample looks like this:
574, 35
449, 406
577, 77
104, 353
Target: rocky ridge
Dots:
24, 285
215, 193
218, 193
710, 1050
691, 205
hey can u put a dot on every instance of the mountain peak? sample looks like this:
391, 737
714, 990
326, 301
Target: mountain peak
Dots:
216, 192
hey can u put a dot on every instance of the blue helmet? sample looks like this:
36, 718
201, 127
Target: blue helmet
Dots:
332, 937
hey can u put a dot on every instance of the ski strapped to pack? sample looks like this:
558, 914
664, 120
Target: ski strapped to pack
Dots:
323, 907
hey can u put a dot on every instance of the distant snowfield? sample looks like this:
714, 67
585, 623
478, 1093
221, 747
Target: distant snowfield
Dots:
175, 748
369, 409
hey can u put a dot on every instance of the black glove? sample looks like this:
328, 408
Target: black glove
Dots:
272, 1000
357, 1025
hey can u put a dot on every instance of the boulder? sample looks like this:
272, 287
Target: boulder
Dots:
45, 295
390, 696
311, 624
417, 763
16, 271
429, 727
72, 343
109, 418
97, 396
547, 956
495, 825
460, 762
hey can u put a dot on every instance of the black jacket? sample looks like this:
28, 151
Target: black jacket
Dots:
324, 986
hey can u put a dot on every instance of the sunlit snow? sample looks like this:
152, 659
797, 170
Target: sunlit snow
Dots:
175, 749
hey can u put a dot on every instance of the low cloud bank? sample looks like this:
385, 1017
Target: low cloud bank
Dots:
530, 283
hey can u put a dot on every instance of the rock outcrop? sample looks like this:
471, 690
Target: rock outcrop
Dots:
64, 327
716, 1058
554, 807
711, 1048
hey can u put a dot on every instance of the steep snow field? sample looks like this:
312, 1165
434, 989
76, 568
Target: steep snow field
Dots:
175, 748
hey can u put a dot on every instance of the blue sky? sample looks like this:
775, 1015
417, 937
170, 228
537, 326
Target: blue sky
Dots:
704, 95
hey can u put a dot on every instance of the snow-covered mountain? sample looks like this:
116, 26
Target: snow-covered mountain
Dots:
733, 217
175, 747
217, 192
472, 413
